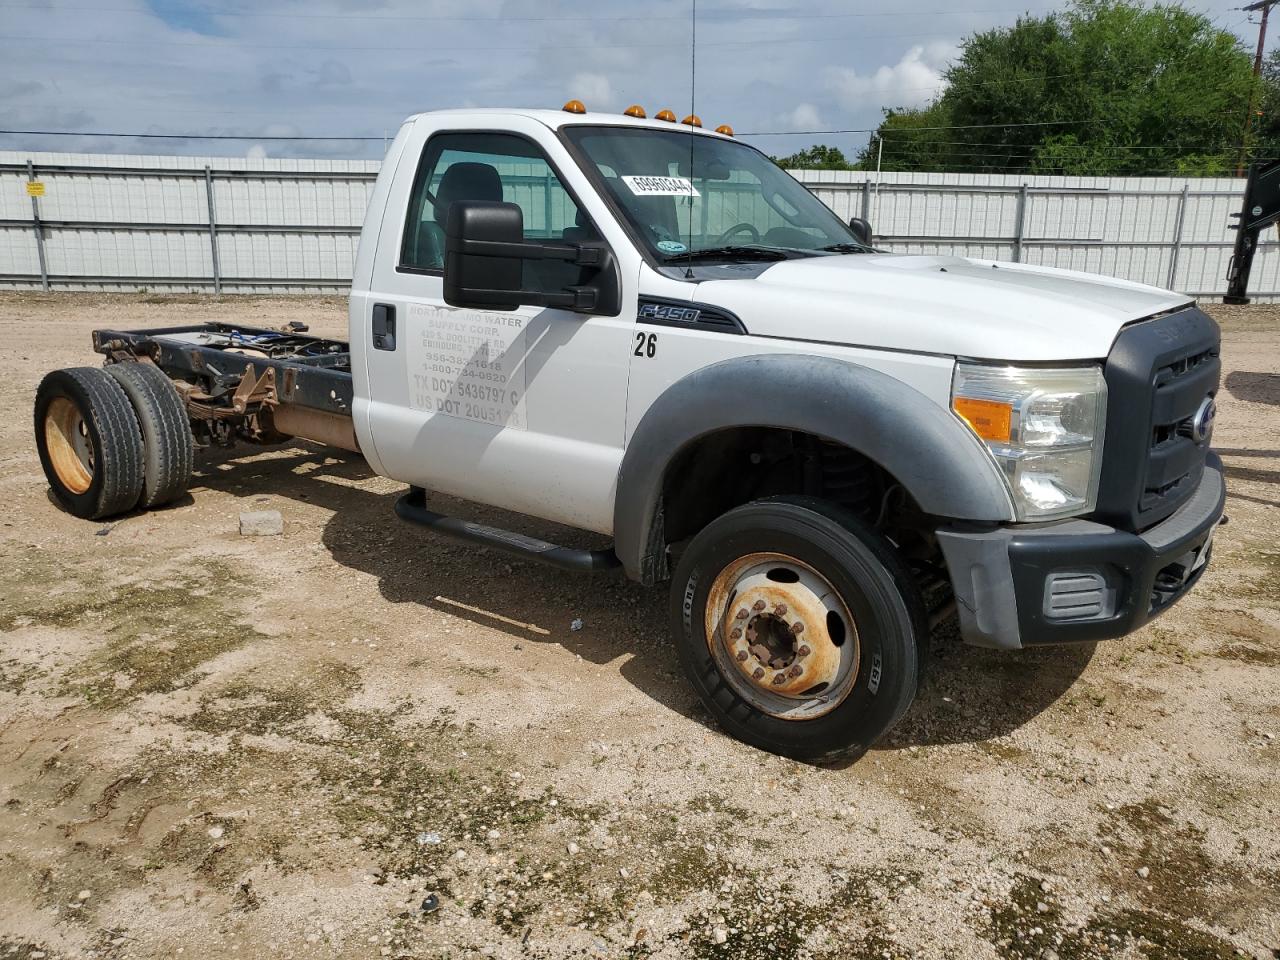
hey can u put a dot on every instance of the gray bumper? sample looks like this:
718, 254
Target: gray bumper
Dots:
1077, 580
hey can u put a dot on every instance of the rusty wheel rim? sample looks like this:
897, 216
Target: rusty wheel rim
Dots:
66, 437
782, 636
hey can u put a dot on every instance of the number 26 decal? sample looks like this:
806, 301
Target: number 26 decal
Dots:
646, 344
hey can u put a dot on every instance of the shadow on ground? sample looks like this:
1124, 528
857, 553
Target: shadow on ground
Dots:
1254, 387
968, 694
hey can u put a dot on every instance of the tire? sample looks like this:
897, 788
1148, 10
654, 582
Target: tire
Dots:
167, 445
844, 682
89, 442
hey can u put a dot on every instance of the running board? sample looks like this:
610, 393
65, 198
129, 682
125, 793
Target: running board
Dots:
413, 508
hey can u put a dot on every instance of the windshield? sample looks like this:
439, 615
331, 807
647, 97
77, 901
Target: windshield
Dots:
737, 201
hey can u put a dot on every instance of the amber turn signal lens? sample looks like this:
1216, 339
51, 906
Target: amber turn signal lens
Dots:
574, 106
990, 419
635, 110
665, 115
692, 120
725, 129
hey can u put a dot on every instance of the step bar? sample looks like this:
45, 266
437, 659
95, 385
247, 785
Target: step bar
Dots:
413, 508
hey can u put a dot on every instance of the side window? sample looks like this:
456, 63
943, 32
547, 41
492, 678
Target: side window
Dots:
485, 166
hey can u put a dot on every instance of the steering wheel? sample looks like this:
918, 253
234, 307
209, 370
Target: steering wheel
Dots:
739, 228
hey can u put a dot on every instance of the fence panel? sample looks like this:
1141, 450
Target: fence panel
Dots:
168, 223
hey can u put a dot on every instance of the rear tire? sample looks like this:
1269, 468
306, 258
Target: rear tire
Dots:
168, 447
89, 442
799, 627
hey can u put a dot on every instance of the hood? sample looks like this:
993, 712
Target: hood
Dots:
942, 305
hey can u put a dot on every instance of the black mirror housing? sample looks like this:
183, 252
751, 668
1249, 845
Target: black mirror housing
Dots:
485, 251
482, 281
861, 230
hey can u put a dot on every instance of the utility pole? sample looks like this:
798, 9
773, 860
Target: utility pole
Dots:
1265, 6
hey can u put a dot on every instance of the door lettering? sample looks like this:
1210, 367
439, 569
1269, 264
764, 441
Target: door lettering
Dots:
468, 364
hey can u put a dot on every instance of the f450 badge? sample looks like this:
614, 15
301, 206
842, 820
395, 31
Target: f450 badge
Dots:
669, 312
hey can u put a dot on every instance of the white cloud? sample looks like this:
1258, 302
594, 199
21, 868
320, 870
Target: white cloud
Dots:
593, 89
256, 152
911, 82
805, 116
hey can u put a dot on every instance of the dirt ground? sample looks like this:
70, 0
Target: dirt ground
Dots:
216, 746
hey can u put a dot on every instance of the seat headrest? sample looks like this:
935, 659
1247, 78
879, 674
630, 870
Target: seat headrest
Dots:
466, 181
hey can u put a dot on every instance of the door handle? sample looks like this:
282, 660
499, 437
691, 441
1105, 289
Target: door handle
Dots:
384, 326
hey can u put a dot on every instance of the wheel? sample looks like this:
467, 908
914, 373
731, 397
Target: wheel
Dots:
89, 442
167, 445
799, 627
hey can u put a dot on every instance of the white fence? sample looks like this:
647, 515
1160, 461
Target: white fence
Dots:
1169, 232
194, 224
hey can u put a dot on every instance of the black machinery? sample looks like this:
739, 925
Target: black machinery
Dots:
1261, 208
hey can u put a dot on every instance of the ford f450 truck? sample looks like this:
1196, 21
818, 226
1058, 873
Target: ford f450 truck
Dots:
648, 330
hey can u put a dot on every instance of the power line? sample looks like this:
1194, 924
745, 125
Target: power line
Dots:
224, 136
961, 126
234, 43
1057, 146
169, 136
735, 14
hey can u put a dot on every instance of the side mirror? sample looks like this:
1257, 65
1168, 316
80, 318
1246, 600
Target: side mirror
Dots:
861, 229
485, 254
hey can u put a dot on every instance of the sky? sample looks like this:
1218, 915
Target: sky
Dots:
341, 68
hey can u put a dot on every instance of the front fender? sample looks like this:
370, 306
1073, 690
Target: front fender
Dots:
939, 462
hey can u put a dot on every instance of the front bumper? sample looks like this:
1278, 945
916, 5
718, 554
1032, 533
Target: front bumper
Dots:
1075, 580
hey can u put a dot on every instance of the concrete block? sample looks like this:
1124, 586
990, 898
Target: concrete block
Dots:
261, 523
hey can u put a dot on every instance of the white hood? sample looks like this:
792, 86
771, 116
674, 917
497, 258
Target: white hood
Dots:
942, 305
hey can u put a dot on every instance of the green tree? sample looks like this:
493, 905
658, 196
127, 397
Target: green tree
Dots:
1265, 139
1105, 87
817, 157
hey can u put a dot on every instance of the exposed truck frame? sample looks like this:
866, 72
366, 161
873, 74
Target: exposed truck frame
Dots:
257, 385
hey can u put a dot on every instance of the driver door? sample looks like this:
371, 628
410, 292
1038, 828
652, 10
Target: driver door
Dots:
523, 409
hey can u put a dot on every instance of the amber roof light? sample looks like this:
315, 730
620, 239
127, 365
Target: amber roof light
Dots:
665, 115
725, 129
692, 120
635, 110
574, 106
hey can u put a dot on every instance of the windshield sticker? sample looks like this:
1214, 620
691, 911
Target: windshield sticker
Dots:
661, 187
671, 246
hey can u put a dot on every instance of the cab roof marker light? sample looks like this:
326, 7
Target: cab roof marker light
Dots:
692, 120
665, 115
635, 110
725, 129
574, 106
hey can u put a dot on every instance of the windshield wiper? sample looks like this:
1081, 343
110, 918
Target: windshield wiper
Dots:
730, 252
846, 247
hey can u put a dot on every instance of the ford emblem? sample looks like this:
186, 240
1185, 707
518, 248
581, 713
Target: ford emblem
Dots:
1202, 422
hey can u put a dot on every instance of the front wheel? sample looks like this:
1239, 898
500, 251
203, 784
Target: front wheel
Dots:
799, 627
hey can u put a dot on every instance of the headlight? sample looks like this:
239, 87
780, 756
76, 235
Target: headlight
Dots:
1043, 426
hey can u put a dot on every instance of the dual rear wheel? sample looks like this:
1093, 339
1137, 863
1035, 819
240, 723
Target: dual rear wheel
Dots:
112, 440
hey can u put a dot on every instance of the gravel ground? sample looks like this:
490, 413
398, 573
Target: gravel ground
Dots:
355, 740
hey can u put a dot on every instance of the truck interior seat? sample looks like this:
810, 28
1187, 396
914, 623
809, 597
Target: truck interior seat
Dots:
461, 181
582, 230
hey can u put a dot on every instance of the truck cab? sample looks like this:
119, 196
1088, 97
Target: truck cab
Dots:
647, 330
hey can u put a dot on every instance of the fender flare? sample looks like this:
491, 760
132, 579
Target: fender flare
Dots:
939, 462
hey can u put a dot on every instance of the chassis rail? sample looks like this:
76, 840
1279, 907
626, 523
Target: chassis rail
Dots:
249, 383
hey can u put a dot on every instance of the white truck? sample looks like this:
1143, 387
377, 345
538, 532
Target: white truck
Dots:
648, 330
